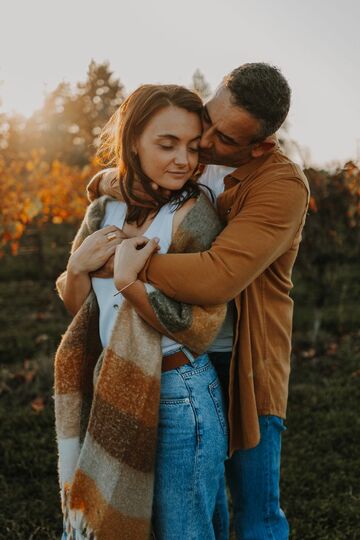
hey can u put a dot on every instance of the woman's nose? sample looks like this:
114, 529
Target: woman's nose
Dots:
181, 157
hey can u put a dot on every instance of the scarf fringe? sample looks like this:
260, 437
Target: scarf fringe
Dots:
75, 524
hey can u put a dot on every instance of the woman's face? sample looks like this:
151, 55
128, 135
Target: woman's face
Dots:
168, 147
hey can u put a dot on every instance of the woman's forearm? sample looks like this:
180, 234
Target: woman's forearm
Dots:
138, 298
75, 290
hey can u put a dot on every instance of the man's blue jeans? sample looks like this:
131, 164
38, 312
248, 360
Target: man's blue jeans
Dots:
253, 478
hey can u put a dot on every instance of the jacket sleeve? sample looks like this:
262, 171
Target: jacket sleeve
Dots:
83, 231
109, 185
262, 231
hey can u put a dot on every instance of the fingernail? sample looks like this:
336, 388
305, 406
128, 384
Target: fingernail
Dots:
156, 239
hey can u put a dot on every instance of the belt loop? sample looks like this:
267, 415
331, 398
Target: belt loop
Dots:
189, 355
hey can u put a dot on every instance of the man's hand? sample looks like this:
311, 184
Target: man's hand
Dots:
106, 271
130, 258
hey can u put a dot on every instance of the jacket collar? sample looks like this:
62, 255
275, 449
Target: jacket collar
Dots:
241, 173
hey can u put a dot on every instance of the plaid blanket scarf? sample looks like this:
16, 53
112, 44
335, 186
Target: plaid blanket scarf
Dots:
107, 400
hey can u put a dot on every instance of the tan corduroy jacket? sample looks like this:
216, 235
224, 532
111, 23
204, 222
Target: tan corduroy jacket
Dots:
264, 205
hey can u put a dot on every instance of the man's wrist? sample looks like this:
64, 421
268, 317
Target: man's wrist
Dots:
75, 270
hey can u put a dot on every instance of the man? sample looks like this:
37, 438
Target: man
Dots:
263, 198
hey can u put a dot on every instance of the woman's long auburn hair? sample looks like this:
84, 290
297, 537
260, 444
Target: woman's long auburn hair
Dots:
118, 139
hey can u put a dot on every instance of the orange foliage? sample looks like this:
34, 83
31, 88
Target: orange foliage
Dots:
34, 191
345, 182
352, 179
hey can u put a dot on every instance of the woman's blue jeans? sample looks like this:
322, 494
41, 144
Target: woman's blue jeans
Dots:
192, 447
191, 450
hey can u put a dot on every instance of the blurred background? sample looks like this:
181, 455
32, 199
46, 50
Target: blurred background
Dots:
64, 69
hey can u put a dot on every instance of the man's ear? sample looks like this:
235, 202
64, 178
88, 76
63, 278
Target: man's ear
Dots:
263, 147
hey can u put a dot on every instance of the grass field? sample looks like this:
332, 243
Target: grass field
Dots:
321, 458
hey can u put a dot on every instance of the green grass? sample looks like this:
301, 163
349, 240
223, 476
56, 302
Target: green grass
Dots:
28, 488
32, 319
321, 459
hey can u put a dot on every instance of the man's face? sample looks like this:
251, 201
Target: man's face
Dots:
229, 132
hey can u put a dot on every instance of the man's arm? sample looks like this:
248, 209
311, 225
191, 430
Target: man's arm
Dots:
264, 229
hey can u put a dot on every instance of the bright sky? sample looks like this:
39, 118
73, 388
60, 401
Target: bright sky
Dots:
316, 43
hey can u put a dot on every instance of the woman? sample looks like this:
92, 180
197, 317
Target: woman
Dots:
133, 405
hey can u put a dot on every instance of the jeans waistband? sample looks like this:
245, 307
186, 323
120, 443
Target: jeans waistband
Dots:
190, 356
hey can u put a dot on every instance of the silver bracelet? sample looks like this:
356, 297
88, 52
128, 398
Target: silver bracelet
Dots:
126, 286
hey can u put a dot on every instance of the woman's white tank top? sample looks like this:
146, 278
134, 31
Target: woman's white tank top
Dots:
161, 226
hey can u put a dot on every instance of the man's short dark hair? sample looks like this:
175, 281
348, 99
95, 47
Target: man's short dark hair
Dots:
263, 91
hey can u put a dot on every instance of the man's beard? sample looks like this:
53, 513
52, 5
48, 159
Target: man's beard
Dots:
207, 157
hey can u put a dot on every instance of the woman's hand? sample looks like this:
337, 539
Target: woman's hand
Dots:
95, 250
130, 258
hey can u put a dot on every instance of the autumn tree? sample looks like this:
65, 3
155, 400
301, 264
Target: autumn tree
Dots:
327, 266
34, 192
47, 160
68, 125
200, 85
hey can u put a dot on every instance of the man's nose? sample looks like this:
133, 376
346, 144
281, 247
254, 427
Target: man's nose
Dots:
206, 140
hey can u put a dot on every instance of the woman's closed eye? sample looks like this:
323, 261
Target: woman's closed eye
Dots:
166, 147
191, 148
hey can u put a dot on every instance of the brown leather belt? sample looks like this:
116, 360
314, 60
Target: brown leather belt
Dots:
174, 361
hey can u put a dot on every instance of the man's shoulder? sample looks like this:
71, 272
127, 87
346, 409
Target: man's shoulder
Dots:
280, 167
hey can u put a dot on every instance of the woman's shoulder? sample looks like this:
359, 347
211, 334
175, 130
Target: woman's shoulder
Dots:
182, 211
195, 211
99, 210
197, 228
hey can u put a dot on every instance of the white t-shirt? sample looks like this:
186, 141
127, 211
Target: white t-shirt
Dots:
104, 289
213, 177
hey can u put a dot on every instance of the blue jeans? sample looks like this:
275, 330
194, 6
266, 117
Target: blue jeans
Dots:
192, 447
191, 450
253, 478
